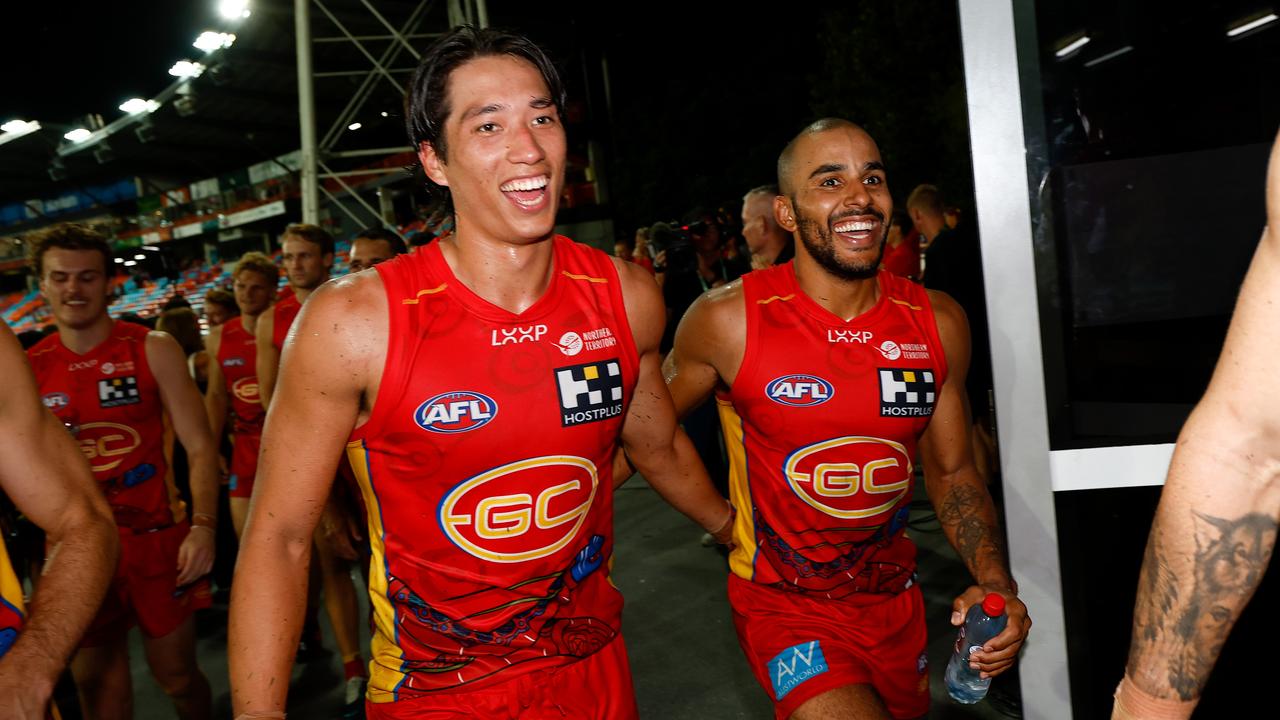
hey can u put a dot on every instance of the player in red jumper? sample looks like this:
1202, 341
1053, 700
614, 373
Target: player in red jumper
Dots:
827, 374
480, 386
307, 257
124, 391
233, 377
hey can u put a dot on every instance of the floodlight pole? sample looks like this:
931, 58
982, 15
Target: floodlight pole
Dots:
310, 181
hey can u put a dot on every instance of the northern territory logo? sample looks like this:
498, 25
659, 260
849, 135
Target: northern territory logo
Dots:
455, 412
906, 392
117, 391
799, 390
589, 392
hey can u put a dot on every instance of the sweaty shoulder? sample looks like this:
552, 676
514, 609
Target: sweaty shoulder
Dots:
714, 329
953, 330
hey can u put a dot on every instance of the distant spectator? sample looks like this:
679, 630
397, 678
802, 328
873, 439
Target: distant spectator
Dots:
624, 247
901, 248
374, 245
182, 324
642, 252
177, 300
767, 242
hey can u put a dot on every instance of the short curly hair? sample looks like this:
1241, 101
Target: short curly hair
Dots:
259, 263
69, 236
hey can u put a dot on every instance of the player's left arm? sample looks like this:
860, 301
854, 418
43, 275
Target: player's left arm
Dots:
47, 478
186, 411
651, 436
960, 497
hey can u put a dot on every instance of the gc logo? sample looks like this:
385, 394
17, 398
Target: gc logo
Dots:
246, 388
851, 477
520, 511
106, 444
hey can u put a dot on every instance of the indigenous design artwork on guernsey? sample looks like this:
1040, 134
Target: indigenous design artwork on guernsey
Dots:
457, 644
848, 571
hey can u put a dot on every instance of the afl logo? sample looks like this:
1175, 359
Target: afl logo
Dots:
56, 400
851, 477
455, 412
800, 390
106, 444
246, 389
520, 511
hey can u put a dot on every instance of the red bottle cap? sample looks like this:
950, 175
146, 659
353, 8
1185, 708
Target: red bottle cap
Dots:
993, 605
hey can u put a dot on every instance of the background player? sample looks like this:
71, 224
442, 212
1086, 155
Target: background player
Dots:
46, 477
307, 258
374, 245
122, 391
233, 377
487, 477
827, 374
1215, 528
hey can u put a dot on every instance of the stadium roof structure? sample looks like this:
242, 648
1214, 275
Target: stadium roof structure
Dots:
244, 107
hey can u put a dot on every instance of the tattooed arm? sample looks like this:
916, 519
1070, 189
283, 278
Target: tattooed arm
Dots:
1216, 524
960, 496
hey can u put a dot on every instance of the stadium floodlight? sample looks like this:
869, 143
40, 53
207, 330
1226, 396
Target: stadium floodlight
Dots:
1253, 24
210, 40
120, 260
1109, 56
384, 113
130, 263
20, 126
355, 126
133, 106
186, 69
139, 256
1072, 46
77, 135
234, 9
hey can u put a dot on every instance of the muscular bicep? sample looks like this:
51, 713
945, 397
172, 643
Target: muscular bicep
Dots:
709, 345
35, 445
316, 404
945, 445
178, 392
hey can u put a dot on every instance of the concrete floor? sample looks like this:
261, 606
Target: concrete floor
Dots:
684, 654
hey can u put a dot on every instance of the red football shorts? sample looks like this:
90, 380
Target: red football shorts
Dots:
244, 464
800, 647
144, 590
597, 687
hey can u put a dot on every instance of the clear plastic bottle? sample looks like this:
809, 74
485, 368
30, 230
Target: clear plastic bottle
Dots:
983, 622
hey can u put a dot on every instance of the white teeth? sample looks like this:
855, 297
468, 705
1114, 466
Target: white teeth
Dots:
525, 184
854, 226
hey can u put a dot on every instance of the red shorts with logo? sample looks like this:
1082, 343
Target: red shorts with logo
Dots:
244, 464
597, 687
800, 647
144, 590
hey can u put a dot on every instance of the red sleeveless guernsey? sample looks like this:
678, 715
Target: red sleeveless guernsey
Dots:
486, 468
110, 402
821, 426
283, 314
238, 355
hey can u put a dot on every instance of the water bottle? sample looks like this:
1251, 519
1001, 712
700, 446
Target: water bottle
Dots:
983, 622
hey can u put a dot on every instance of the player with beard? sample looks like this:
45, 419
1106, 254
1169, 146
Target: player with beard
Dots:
828, 375
481, 386
233, 376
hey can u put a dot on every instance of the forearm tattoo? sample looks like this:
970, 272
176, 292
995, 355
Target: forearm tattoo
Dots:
966, 513
1179, 626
